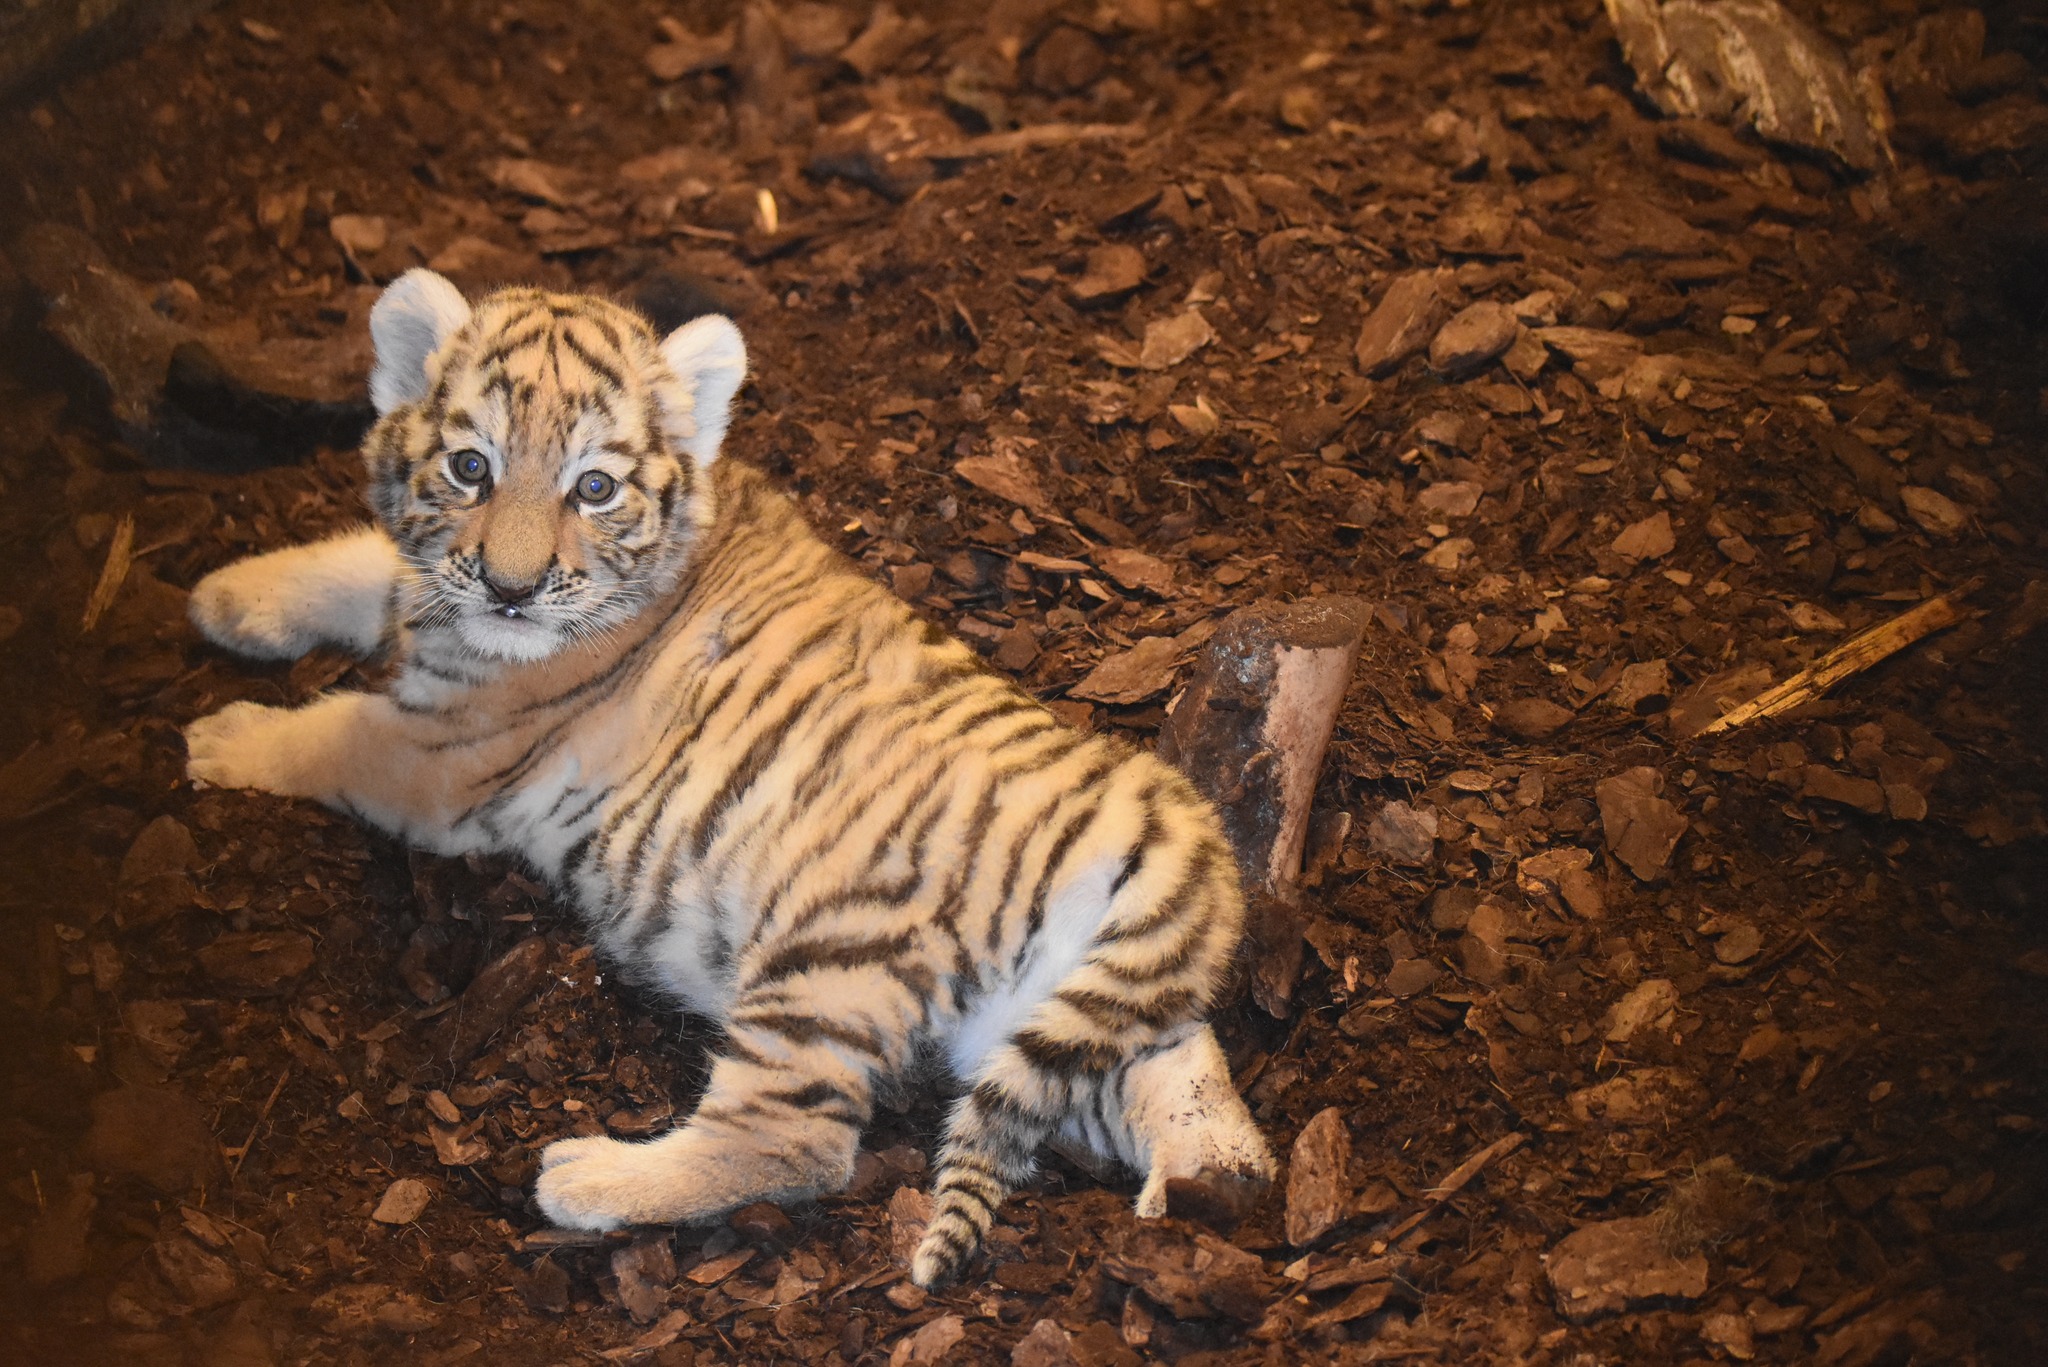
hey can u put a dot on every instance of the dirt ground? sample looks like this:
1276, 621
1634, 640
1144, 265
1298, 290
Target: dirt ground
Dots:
1739, 1032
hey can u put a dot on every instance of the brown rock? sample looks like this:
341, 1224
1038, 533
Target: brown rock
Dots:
497, 992
1400, 324
1650, 1003
1069, 60
1832, 785
1047, 1345
1114, 270
1474, 336
404, 1201
1934, 511
1130, 569
201, 1278
1650, 539
1642, 828
1318, 1178
1483, 948
1644, 688
164, 848
160, 1136
645, 1270
257, 960
1006, 473
1531, 718
1601, 1268
1410, 976
1131, 676
931, 1342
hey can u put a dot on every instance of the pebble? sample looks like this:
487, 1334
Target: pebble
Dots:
1650, 539
1403, 833
1474, 335
1531, 719
1601, 1268
1318, 1177
1641, 828
1935, 512
1400, 324
404, 1201
1651, 1003
1047, 1345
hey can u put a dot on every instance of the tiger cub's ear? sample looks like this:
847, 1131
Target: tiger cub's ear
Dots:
710, 360
412, 318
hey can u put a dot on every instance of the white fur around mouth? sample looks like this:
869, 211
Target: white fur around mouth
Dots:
508, 637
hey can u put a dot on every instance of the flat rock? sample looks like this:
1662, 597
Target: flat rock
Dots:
160, 1136
1113, 271
492, 998
1404, 834
1131, 676
1401, 324
1006, 473
1644, 687
257, 960
930, 1342
1639, 1096
1933, 511
1848, 790
1601, 1268
1410, 976
1531, 718
1169, 341
1483, 948
404, 1201
1133, 569
1641, 828
1651, 1003
164, 847
1318, 1177
1047, 1345
1474, 335
1650, 539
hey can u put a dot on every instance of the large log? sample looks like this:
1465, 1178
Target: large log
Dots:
1250, 730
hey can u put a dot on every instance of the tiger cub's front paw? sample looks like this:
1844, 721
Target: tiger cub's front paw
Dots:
237, 747
244, 608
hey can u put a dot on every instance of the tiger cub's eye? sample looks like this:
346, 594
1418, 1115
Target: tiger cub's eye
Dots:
468, 468
596, 487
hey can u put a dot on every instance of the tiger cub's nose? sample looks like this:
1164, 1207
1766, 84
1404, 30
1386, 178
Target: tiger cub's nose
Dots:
509, 593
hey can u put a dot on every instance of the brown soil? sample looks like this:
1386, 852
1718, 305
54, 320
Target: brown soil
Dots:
240, 1029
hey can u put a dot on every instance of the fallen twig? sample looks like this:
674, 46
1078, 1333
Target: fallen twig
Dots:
1850, 658
120, 555
1456, 1182
1024, 139
242, 1152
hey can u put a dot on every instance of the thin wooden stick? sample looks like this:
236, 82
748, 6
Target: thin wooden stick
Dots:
120, 555
1852, 657
261, 1116
1451, 1186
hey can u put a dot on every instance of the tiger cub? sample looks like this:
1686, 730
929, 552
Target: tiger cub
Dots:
771, 788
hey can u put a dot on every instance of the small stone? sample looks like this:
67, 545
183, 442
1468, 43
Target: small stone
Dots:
1318, 1178
1738, 941
257, 959
1131, 569
1600, 1268
1410, 976
1114, 270
1169, 341
497, 992
1934, 511
1650, 539
404, 1201
1450, 498
1402, 833
1401, 324
1131, 676
1832, 785
164, 848
1474, 336
1301, 108
1652, 1003
1644, 688
1483, 948
645, 1270
1531, 719
1047, 1345
201, 1278
1731, 1334
360, 235
1642, 828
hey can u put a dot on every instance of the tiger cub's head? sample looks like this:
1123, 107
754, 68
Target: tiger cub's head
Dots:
542, 460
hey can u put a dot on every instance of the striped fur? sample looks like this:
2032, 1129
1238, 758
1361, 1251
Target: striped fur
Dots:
770, 787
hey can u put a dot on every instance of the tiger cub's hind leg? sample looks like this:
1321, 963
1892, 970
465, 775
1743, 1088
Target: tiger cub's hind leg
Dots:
1183, 1118
279, 605
780, 1121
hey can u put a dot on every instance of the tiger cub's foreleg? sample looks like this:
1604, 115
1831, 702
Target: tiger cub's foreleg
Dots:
355, 752
780, 1121
280, 605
